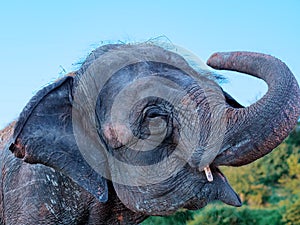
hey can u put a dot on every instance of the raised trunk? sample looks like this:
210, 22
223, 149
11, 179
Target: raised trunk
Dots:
254, 131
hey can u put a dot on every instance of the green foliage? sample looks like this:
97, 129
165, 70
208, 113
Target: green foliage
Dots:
291, 181
269, 189
292, 213
179, 218
225, 215
294, 137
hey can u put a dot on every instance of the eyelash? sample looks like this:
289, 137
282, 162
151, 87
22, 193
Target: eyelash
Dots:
153, 112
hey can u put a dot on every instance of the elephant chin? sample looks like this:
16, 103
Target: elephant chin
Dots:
188, 189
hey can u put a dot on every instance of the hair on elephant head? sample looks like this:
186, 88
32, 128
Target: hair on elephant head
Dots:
141, 117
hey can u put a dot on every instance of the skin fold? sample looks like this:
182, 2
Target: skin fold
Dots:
141, 145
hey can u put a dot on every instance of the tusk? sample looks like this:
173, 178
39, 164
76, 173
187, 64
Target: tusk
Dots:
208, 174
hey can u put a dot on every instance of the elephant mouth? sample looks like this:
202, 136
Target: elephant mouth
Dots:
216, 187
189, 189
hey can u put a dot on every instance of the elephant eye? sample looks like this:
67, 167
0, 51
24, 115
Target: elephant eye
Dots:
154, 112
154, 120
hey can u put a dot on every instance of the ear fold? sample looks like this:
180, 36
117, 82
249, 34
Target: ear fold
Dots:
44, 134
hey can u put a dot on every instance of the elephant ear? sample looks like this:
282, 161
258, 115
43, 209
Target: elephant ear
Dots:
44, 134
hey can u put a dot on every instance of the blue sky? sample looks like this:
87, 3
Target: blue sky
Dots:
39, 38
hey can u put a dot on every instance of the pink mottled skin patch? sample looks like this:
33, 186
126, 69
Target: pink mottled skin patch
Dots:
116, 134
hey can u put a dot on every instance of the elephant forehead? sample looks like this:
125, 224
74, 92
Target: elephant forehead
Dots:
120, 54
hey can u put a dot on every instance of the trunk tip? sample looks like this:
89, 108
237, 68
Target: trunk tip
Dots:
217, 60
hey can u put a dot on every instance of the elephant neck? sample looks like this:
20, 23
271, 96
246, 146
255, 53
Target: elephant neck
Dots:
115, 212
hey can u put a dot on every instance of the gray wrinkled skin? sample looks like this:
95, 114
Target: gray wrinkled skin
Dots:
36, 194
67, 143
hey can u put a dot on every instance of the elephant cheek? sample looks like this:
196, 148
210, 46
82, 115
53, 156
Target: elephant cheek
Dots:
116, 135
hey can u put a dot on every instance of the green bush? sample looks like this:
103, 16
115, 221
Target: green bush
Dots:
226, 215
179, 218
292, 214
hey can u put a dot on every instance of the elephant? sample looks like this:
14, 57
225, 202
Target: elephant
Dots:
138, 131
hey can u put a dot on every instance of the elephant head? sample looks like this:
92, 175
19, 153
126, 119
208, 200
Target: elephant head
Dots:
141, 117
